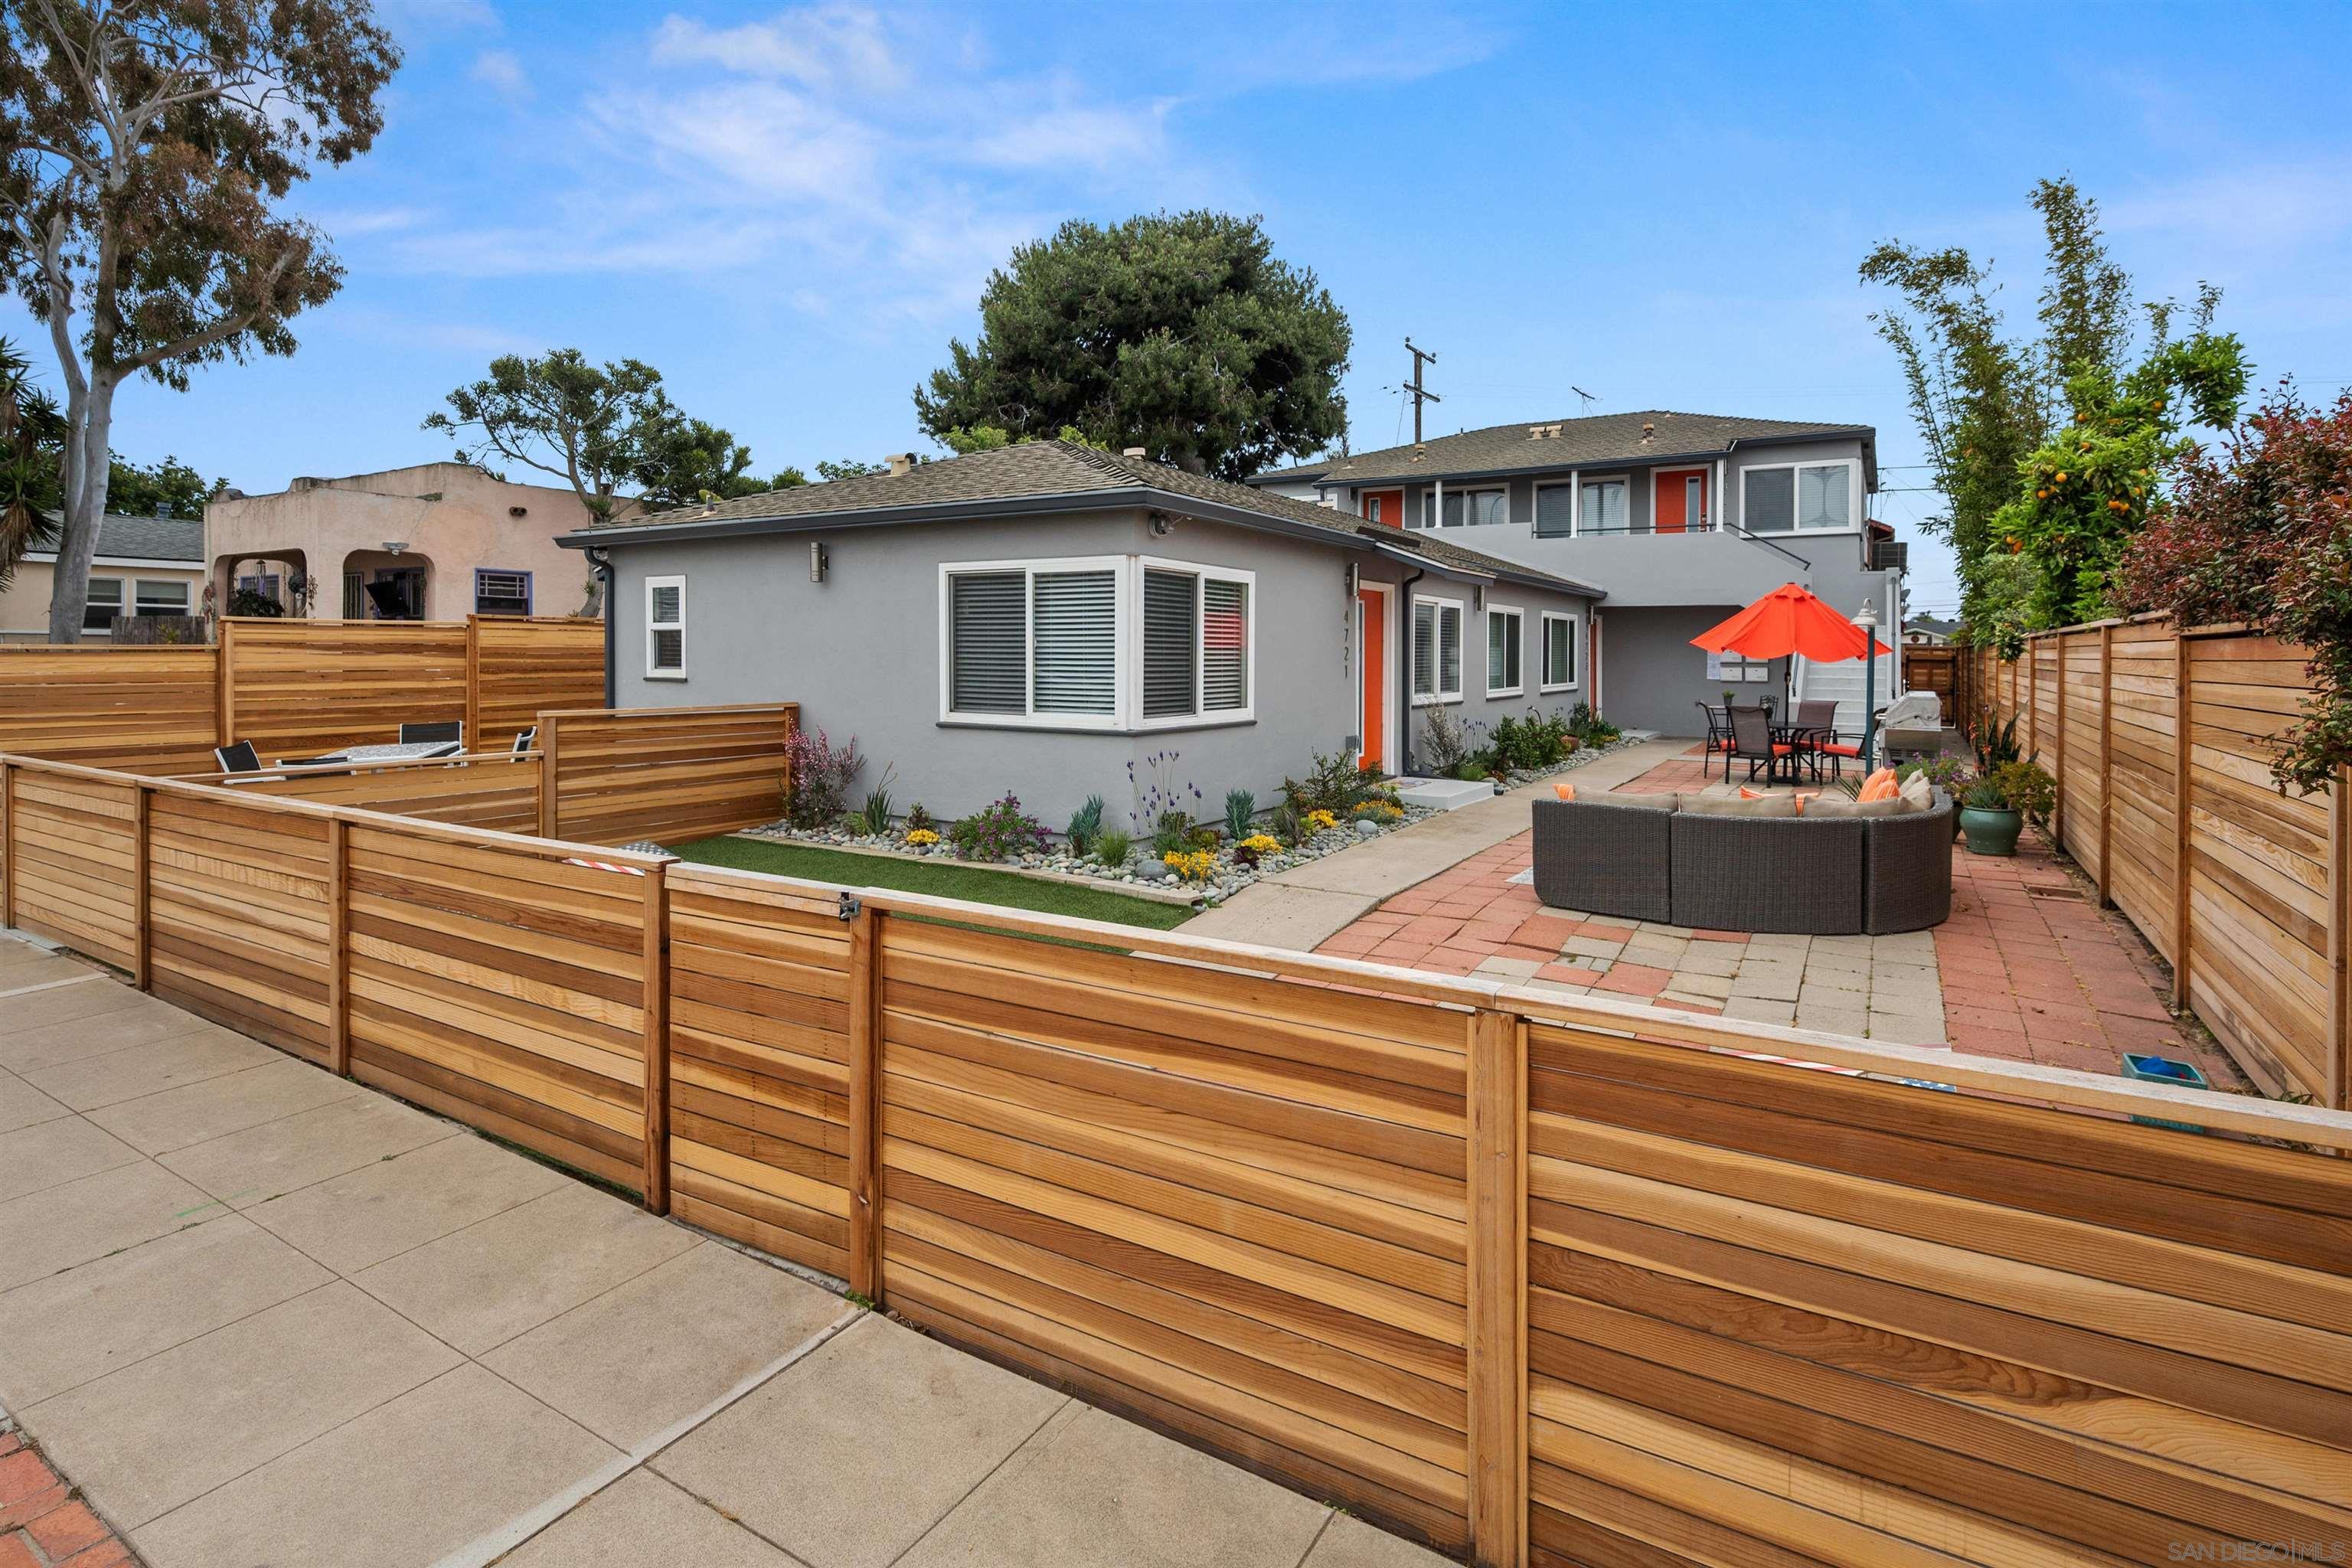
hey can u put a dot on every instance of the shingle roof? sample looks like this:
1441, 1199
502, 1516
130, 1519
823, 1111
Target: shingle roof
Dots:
1596, 438
147, 538
1037, 470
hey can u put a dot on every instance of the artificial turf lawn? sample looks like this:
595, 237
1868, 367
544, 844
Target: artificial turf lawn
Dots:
936, 878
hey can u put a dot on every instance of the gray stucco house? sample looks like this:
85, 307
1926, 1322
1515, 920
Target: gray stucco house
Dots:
1037, 618
1682, 518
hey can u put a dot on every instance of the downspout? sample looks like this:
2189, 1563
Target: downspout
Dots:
600, 560
1404, 686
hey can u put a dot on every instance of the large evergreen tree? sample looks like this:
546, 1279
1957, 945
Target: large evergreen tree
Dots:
1181, 334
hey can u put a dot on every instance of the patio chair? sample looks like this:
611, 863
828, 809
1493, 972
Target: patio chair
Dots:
525, 739
418, 734
1818, 721
1752, 742
238, 757
1718, 729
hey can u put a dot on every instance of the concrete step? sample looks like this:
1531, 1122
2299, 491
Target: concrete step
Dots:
1444, 795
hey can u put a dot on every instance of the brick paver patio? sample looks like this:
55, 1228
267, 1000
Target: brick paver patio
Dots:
2028, 966
44, 1522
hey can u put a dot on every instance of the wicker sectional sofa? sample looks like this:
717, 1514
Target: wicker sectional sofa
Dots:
1640, 858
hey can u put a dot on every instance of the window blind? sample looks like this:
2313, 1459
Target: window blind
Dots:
1502, 651
1768, 500
1075, 621
666, 626
989, 640
1225, 644
1449, 650
1171, 645
1425, 651
1560, 652
1554, 511
1604, 507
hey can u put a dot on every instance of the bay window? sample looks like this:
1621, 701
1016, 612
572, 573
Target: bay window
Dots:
1506, 639
1436, 650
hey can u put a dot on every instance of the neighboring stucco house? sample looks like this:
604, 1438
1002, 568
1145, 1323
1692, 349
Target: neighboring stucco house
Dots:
1682, 518
1044, 617
437, 541
144, 566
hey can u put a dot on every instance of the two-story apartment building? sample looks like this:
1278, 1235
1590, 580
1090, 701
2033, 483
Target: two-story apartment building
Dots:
1682, 518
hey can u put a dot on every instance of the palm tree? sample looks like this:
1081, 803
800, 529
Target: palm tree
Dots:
32, 436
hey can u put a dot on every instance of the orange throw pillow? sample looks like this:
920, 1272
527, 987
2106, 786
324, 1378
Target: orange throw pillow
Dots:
1565, 790
1746, 793
1801, 803
1878, 785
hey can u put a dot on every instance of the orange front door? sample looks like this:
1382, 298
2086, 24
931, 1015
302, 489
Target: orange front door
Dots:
1369, 616
1384, 506
1682, 501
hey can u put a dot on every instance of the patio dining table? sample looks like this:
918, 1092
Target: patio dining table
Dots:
390, 752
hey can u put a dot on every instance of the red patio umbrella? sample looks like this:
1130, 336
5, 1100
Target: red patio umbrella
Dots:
1785, 621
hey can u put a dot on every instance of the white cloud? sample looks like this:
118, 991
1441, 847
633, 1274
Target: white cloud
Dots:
824, 46
502, 69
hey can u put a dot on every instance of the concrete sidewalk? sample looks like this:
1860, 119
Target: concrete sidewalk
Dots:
262, 1315
1300, 908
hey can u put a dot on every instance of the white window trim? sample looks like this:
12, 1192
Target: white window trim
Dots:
1126, 589
1543, 651
1436, 652
139, 591
676, 581
1520, 636
1854, 507
1626, 479
1132, 683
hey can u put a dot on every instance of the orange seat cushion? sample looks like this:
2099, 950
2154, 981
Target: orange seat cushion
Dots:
1565, 790
1842, 751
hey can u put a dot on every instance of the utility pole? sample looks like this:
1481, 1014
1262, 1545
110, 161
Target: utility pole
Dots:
1418, 393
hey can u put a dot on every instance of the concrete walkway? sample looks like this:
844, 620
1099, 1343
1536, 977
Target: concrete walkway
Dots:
1300, 908
261, 1315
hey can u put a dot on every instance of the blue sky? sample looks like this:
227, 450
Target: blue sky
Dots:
790, 211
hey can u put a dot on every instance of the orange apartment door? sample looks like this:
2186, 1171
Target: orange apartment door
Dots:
1372, 620
1384, 506
1682, 501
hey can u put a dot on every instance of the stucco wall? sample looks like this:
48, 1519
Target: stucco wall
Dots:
452, 518
1654, 674
861, 654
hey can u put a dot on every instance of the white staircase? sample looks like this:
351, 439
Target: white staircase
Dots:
1842, 683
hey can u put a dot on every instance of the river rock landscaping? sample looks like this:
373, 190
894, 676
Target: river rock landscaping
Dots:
1212, 873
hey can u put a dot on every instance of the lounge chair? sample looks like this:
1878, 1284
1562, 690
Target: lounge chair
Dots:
525, 739
418, 734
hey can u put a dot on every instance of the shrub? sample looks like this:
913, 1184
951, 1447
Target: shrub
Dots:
1260, 844
1446, 739
1241, 808
1086, 824
1284, 824
1171, 833
1534, 742
1471, 771
1951, 775
1381, 811
874, 816
817, 774
919, 820
1591, 728
1996, 748
921, 838
2027, 788
1335, 784
1113, 846
1246, 858
998, 831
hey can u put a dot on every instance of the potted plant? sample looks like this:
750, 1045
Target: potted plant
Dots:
1994, 809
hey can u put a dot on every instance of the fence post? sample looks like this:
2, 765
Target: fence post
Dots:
2339, 941
2060, 816
473, 682
547, 780
1497, 1336
225, 684
656, 1009
2107, 760
142, 940
8, 845
2180, 744
338, 946
865, 944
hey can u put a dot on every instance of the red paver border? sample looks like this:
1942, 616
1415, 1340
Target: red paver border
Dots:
44, 1522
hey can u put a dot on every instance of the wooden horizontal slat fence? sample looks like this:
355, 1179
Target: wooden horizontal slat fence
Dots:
143, 710
499, 789
293, 687
524, 667
2243, 892
1540, 1280
617, 775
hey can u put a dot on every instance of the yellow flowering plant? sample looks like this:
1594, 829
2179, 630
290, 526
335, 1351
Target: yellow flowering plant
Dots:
922, 838
1192, 865
1263, 843
1319, 819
